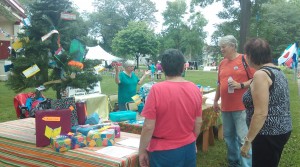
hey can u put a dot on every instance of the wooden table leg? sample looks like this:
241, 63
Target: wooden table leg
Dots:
211, 138
220, 132
205, 141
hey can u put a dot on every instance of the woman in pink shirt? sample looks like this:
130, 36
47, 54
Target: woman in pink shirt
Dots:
173, 117
158, 70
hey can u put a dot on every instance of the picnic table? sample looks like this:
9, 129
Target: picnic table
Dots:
18, 148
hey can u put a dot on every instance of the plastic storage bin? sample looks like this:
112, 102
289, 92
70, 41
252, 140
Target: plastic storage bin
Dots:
122, 116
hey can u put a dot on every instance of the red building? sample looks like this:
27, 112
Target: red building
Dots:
11, 16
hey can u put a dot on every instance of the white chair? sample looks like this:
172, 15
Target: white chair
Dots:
113, 101
131, 106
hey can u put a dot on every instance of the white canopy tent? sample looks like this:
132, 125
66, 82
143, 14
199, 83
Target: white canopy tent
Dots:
97, 53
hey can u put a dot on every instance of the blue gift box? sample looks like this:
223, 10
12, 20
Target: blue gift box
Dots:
122, 116
84, 129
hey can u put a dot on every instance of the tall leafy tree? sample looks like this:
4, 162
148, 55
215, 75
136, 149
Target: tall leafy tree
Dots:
173, 20
243, 14
195, 36
186, 35
134, 41
279, 28
113, 16
45, 16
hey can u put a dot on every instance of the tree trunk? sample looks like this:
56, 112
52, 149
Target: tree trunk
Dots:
58, 95
137, 57
245, 23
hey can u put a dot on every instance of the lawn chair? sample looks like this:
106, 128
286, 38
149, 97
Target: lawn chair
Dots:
113, 102
131, 106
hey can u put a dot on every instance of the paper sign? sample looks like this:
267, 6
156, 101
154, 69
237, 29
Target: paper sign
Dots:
137, 99
31, 71
71, 108
132, 142
68, 16
54, 119
49, 34
99, 68
49, 132
115, 151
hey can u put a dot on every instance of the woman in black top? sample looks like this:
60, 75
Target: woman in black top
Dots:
267, 107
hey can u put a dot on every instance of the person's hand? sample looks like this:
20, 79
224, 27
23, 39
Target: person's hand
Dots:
144, 159
117, 68
216, 106
234, 84
245, 149
147, 72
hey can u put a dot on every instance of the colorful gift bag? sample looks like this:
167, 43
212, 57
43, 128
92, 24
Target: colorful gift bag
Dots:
61, 143
66, 103
51, 123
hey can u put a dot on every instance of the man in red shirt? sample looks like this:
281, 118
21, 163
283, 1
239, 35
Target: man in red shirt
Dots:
234, 76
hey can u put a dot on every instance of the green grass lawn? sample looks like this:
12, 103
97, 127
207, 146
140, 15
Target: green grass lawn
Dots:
216, 156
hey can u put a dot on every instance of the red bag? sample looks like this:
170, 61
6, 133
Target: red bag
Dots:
81, 112
49, 123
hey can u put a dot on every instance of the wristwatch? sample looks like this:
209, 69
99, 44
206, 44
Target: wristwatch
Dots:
242, 85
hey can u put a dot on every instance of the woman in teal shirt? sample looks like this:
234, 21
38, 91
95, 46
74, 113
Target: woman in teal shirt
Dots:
127, 83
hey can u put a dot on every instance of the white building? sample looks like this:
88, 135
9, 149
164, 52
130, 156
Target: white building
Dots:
11, 16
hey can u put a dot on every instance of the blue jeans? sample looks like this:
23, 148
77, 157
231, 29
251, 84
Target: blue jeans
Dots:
235, 129
184, 156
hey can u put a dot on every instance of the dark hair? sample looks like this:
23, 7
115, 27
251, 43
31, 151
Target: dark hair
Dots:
172, 62
258, 50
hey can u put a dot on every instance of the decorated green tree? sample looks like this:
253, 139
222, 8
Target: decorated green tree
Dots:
53, 50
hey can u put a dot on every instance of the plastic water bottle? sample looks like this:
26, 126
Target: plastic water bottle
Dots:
230, 89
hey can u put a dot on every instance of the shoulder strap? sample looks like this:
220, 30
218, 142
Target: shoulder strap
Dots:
245, 66
270, 74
